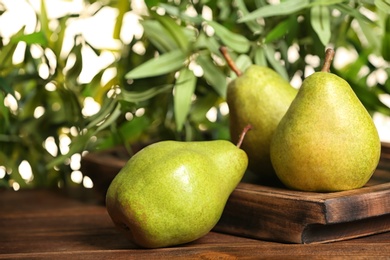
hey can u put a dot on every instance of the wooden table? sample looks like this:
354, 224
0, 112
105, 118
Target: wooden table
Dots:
44, 224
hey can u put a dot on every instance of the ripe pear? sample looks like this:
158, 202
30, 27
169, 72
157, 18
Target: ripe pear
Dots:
173, 192
259, 97
327, 140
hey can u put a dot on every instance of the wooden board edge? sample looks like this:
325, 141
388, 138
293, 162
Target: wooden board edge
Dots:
318, 233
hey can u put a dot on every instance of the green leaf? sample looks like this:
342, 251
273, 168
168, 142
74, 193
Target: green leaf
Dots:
78, 145
385, 48
6, 56
383, 5
165, 63
232, 40
7, 51
4, 110
105, 110
243, 62
326, 2
101, 91
385, 87
320, 21
111, 118
6, 87
151, 3
175, 11
123, 7
44, 19
201, 106
369, 98
260, 57
212, 74
139, 96
346, 9
77, 67
253, 25
205, 42
278, 31
4, 184
184, 89
93, 86
58, 43
80, 142
284, 8
174, 30
371, 35
128, 132
279, 68
352, 69
134, 128
33, 38
158, 36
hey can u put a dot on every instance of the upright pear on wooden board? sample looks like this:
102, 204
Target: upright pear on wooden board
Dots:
259, 97
326, 141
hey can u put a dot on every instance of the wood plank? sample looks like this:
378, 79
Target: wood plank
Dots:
221, 251
278, 214
49, 225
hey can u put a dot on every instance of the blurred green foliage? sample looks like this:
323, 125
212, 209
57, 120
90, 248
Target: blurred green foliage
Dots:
168, 79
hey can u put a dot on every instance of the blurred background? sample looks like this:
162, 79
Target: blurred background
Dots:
80, 76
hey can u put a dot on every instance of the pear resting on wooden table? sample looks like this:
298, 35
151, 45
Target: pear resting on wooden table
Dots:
172, 192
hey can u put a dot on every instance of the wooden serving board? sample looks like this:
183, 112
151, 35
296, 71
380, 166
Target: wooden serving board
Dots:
279, 214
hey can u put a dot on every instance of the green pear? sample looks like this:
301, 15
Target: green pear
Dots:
327, 140
259, 97
173, 192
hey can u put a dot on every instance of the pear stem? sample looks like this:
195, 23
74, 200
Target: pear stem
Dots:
242, 135
329, 55
229, 60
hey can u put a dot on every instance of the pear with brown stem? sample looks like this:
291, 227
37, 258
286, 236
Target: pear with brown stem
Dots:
259, 97
327, 141
172, 192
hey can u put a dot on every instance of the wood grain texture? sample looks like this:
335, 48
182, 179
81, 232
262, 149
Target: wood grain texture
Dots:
279, 214
42, 224
275, 213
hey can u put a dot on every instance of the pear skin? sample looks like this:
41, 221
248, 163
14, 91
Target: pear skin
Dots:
259, 97
327, 140
171, 192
